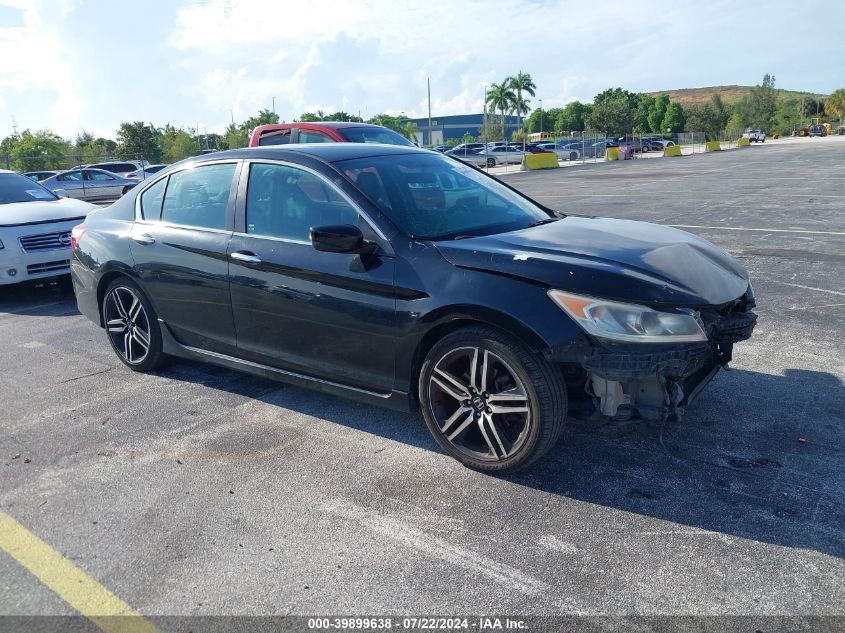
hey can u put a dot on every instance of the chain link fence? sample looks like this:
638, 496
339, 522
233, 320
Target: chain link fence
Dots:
61, 162
500, 155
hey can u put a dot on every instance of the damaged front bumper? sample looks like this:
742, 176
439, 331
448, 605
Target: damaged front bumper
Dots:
654, 382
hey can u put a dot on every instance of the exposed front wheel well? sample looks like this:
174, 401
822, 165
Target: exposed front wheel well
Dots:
441, 330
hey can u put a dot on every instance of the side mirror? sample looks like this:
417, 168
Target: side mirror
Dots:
340, 238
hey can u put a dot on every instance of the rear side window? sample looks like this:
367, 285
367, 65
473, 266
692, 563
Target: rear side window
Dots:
286, 202
308, 136
278, 137
199, 196
151, 200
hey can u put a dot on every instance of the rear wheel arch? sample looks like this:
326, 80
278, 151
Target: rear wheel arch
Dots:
105, 281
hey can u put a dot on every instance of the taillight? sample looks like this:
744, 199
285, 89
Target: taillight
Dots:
76, 234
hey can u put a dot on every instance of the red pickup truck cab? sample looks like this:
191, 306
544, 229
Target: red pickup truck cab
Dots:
324, 132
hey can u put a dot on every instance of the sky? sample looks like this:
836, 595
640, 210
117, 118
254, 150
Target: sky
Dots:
73, 65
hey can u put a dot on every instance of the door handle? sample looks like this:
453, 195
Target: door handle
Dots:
144, 239
245, 257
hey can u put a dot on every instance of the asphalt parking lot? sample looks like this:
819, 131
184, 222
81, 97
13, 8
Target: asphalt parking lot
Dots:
197, 490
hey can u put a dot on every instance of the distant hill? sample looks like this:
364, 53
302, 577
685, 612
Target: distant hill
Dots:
729, 94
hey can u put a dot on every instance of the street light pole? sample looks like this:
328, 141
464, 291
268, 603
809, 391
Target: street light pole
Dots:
541, 119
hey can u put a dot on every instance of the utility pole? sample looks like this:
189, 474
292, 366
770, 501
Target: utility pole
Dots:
274, 105
541, 119
14, 125
430, 141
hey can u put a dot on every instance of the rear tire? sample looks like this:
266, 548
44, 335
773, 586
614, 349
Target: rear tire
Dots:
132, 326
573, 156
489, 401
491, 162
127, 189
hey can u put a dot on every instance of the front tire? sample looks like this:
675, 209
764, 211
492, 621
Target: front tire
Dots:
490, 402
491, 162
573, 156
132, 326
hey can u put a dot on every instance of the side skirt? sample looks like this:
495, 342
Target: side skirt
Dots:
397, 400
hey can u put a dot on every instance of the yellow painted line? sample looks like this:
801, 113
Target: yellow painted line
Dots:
740, 228
69, 582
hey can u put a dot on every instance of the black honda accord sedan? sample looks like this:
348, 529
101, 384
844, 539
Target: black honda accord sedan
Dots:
406, 278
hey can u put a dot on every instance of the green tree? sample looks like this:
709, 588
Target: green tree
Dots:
787, 116
521, 83
139, 140
762, 103
88, 149
32, 151
674, 118
656, 112
177, 144
612, 117
394, 123
500, 97
834, 105
262, 118
573, 118
543, 120
703, 117
641, 113
723, 111
234, 137
630, 99
409, 131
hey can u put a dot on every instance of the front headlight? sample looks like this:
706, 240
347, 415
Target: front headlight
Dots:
629, 322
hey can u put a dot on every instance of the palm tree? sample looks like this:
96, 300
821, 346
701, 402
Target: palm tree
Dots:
522, 82
500, 97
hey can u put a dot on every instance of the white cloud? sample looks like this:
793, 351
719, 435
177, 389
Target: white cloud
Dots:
36, 45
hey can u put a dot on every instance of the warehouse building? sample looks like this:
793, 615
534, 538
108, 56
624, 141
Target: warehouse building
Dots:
444, 128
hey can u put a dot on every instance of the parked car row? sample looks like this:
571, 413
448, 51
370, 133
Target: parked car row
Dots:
97, 182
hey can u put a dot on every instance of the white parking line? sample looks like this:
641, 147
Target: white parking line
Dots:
742, 228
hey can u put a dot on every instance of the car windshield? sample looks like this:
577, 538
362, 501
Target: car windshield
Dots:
18, 188
374, 135
433, 197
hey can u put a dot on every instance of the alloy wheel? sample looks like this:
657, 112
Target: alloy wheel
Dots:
479, 403
127, 324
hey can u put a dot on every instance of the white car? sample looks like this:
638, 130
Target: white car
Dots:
35, 229
755, 135
562, 150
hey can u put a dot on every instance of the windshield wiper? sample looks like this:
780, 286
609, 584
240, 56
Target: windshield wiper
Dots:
545, 221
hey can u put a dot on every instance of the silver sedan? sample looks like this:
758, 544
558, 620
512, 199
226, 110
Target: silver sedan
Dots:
506, 154
89, 184
563, 151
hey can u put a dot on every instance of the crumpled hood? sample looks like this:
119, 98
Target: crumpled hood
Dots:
622, 260
43, 211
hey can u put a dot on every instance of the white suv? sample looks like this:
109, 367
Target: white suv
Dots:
755, 135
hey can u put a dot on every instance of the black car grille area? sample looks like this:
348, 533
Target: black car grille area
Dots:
60, 266
45, 241
735, 327
677, 363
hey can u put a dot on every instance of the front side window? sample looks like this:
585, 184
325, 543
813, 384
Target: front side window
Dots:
276, 137
71, 176
151, 200
408, 188
285, 202
199, 196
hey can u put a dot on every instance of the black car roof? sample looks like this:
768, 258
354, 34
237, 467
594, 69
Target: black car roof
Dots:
328, 152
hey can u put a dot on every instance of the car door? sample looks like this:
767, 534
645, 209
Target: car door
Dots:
179, 244
70, 184
100, 185
325, 315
